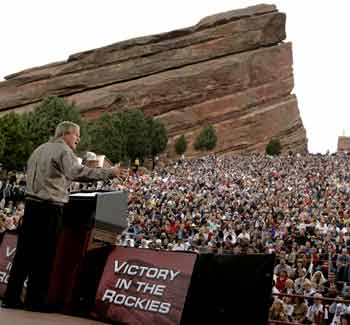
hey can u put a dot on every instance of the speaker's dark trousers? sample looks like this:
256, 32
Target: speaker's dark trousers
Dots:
35, 253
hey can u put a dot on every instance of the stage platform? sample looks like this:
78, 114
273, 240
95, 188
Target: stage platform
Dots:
21, 317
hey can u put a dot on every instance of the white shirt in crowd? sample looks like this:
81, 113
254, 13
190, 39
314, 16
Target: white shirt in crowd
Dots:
244, 235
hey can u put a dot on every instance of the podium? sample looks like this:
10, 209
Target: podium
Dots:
85, 212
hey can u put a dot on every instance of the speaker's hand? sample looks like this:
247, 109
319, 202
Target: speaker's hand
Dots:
120, 172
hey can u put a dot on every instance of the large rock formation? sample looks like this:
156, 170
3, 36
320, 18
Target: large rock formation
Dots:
231, 69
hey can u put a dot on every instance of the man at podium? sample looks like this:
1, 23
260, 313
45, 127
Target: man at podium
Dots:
51, 168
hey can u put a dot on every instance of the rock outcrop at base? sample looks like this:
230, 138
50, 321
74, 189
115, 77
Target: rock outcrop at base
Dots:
231, 69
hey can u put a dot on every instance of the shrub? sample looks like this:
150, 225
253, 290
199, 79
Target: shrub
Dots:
273, 148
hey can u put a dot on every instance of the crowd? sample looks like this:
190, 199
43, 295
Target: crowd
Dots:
12, 191
294, 206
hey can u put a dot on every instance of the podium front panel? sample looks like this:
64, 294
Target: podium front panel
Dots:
112, 211
105, 210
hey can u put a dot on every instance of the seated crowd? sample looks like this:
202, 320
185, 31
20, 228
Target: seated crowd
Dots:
294, 206
11, 203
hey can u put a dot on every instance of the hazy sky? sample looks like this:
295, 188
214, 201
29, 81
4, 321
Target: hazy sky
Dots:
38, 32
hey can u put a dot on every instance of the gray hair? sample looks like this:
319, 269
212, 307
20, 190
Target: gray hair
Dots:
65, 127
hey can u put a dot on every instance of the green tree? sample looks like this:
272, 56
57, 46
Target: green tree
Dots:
158, 138
181, 145
135, 128
85, 137
273, 148
206, 139
2, 144
107, 136
16, 143
45, 117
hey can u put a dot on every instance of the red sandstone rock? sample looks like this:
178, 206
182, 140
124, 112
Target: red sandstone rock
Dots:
231, 69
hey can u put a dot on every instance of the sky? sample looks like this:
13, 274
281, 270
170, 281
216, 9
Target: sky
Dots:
38, 32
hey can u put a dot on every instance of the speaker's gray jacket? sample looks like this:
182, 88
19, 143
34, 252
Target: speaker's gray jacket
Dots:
53, 166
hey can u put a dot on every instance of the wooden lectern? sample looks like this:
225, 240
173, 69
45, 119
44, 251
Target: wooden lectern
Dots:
85, 212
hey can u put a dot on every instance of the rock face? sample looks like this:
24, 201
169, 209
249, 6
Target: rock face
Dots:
231, 69
343, 144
